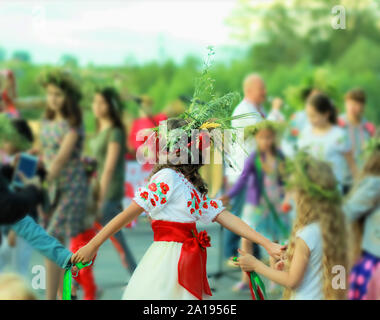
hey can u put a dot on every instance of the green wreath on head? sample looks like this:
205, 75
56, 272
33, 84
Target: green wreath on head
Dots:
207, 112
274, 126
63, 80
8, 133
297, 178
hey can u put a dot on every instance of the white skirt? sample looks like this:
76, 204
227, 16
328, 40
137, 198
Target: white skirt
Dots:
156, 276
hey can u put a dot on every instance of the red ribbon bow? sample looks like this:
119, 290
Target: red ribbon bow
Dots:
193, 259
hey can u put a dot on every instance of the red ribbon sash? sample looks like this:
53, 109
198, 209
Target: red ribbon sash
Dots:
193, 259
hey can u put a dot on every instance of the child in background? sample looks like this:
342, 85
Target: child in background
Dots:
324, 140
15, 137
363, 206
318, 240
261, 175
358, 129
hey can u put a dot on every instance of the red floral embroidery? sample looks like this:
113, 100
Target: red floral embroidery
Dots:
164, 187
188, 203
144, 195
156, 197
200, 212
214, 204
205, 205
196, 196
163, 200
153, 187
196, 206
204, 198
153, 202
192, 210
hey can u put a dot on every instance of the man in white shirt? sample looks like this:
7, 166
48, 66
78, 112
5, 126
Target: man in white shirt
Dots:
254, 96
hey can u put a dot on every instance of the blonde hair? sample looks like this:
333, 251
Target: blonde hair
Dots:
331, 219
371, 168
14, 287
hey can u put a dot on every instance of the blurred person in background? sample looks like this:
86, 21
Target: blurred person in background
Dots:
109, 149
145, 120
262, 178
17, 203
324, 139
362, 209
62, 141
358, 129
8, 93
255, 94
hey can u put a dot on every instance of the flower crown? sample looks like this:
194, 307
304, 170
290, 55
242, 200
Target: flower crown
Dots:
276, 127
205, 114
297, 177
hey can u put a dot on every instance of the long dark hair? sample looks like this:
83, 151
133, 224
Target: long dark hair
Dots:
71, 110
190, 171
115, 106
323, 104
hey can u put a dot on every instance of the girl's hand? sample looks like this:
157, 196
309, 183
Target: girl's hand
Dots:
225, 200
84, 254
246, 262
276, 250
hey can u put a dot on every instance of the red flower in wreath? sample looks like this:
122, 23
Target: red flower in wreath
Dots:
144, 195
153, 202
214, 204
204, 239
156, 197
164, 187
163, 200
205, 205
153, 187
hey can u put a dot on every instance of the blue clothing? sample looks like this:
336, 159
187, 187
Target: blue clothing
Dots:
365, 202
37, 237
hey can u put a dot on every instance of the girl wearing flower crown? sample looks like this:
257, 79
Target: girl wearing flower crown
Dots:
318, 240
363, 209
264, 195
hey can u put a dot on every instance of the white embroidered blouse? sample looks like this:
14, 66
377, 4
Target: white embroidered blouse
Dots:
170, 196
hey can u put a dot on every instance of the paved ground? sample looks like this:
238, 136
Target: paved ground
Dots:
111, 277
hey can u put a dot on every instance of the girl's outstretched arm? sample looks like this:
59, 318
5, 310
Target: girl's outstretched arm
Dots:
87, 253
290, 279
239, 227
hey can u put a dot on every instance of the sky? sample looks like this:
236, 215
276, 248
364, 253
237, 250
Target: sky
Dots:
111, 32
